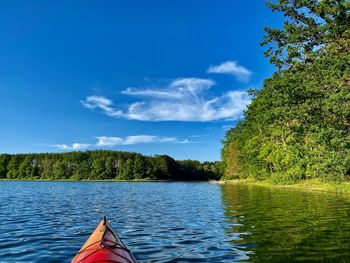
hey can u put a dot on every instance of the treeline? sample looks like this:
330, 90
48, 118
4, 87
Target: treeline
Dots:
104, 165
298, 126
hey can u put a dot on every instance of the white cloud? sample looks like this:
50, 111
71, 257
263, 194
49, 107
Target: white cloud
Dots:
176, 90
232, 68
136, 139
108, 141
184, 99
105, 141
105, 104
129, 140
150, 93
75, 146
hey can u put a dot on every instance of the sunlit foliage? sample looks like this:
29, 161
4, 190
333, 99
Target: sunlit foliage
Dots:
298, 126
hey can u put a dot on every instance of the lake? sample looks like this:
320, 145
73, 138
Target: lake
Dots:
174, 222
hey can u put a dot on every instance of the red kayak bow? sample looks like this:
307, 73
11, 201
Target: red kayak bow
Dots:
104, 245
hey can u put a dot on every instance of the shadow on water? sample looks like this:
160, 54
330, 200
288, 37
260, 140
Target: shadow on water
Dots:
279, 225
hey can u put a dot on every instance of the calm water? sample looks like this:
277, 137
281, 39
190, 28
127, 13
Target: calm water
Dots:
174, 222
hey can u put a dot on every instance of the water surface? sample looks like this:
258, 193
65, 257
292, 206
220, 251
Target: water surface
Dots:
174, 222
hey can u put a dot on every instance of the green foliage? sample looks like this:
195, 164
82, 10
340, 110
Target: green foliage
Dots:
139, 167
120, 169
59, 170
104, 165
312, 28
46, 167
82, 171
127, 173
13, 167
97, 169
194, 170
28, 169
164, 167
297, 127
230, 158
4, 160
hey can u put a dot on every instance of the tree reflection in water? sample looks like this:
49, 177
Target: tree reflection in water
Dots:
280, 225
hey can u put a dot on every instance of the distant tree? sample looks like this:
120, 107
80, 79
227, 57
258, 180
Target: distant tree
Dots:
59, 170
191, 170
160, 167
98, 169
28, 168
165, 167
110, 168
46, 167
4, 160
149, 169
212, 170
92, 165
120, 169
13, 167
82, 171
24, 168
139, 167
128, 172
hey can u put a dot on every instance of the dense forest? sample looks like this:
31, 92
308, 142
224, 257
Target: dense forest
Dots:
104, 165
298, 125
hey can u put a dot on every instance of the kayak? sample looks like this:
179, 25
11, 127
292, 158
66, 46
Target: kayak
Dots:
104, 245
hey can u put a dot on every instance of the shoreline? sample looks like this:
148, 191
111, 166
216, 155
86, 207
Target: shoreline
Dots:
308, 185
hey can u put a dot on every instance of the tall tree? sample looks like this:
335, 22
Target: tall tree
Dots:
110, 168
59, 170
98, 169
28, 168
13, 166
298, 125
82, 171
4, 160
128, 172
120, 169
311, 28
139, 167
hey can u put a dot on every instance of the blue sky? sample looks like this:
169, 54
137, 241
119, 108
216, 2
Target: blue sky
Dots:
156, 77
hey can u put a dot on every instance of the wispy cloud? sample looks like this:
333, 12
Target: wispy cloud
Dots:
74, 146
184, 99
136, 139
108, 141
232, 68
105, 104
177, 89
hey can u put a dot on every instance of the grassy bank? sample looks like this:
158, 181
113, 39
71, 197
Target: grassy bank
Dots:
309, 185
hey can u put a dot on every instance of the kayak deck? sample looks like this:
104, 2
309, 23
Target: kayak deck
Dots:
104, 245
